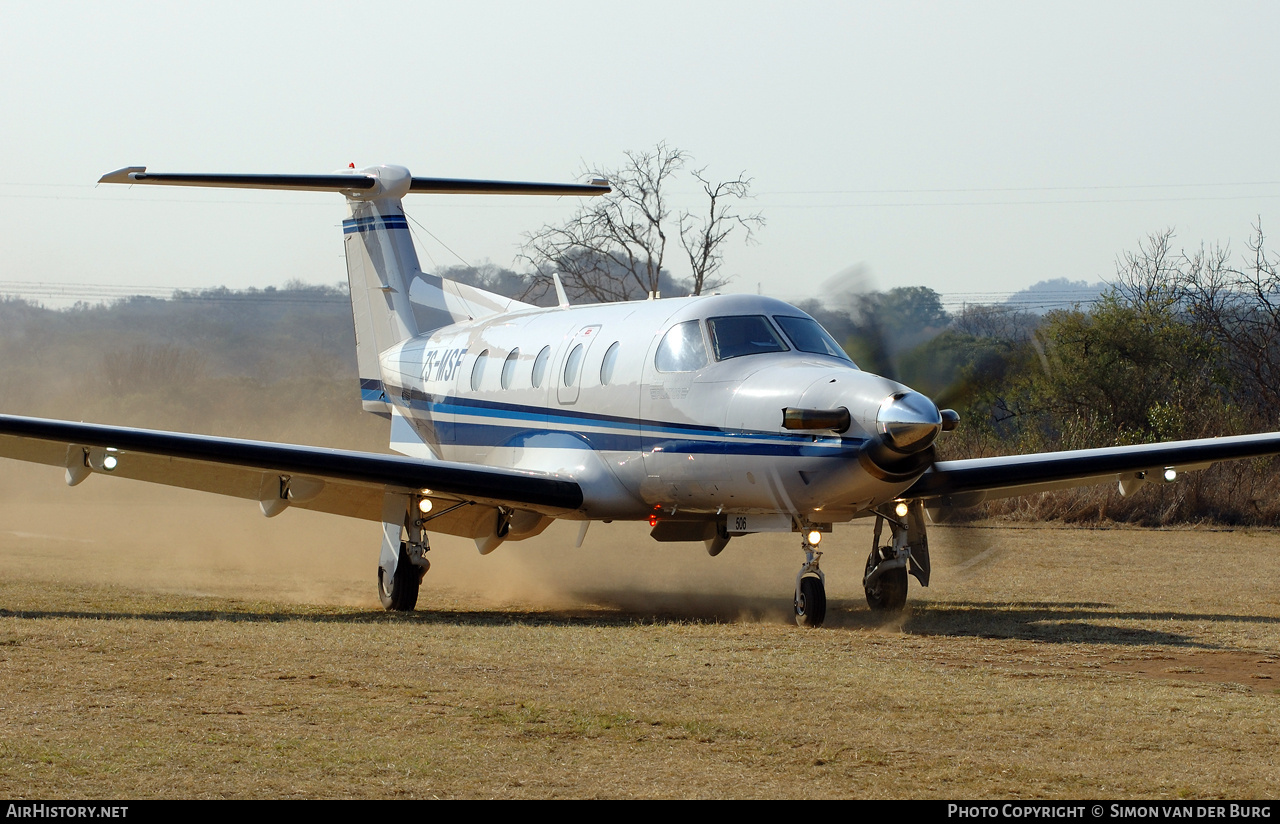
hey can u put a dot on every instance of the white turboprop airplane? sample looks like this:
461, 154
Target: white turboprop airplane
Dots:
710, 417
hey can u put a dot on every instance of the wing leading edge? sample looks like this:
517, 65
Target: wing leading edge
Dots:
339, 481
969, 482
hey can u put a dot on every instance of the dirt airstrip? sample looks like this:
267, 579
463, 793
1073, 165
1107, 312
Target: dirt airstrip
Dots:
157, 643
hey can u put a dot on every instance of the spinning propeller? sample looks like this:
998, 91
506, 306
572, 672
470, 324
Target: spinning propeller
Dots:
907, 423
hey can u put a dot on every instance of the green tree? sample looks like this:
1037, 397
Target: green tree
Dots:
1136, 371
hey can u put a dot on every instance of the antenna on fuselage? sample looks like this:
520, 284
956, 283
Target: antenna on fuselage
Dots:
561, 297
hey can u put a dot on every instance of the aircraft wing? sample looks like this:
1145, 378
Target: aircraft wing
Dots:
342, 482
969, 482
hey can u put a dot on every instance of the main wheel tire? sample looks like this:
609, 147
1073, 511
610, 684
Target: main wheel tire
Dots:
889, 592
401, 594
811, 603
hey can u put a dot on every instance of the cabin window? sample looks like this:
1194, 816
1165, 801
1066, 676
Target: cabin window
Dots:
509, 368
807, 335
540, 366
682, 349
738, 335
609, 362
477, 370
572, 364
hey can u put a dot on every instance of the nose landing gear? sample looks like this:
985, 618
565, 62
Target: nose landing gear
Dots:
811, 590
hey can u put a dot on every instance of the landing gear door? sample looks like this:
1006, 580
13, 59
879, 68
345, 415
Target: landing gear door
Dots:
569, 375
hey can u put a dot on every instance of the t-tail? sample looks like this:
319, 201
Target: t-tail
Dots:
392, 299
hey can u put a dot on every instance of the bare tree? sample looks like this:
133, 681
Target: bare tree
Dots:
998, 321
615, 246
704, 238
1240, 309
1149, 278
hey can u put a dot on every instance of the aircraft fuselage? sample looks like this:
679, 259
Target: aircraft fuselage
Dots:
694, 427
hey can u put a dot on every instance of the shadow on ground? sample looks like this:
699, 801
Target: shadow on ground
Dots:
1047, 621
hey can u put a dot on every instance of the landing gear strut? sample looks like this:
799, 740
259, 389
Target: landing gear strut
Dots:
811, 590
404, 554
885, 580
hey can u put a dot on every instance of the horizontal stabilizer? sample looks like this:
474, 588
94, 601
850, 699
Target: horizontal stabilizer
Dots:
353, 182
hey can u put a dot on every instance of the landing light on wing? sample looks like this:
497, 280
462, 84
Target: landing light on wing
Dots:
1170, 474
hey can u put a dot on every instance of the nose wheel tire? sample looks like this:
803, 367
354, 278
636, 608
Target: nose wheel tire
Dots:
811, 602
400, 593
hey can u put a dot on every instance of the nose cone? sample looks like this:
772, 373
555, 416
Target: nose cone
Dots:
909, 421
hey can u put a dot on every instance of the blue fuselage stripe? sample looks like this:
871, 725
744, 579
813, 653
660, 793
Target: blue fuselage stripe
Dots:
472, 422
491, 435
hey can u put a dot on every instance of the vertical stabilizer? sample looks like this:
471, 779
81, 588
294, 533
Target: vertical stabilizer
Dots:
381, 266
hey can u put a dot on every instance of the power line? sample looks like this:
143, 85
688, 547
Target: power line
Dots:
971, 190
1083, 201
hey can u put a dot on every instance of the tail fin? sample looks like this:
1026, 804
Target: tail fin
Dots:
392, 299
381, 266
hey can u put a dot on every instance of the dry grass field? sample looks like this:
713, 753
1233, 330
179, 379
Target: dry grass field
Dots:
157, 643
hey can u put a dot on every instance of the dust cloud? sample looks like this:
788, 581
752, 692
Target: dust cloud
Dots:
149, 537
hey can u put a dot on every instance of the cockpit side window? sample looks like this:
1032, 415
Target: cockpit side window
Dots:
738, 335
807, 335
682, 349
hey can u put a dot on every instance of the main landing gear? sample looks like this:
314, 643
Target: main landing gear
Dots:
404, 555
885, 579
398, 591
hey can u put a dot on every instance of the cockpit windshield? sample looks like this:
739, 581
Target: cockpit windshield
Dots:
738, 335
807, 335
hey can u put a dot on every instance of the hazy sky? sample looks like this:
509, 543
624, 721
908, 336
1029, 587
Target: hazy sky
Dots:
971, 147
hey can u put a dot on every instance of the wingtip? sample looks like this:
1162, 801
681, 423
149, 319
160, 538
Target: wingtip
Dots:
124, 175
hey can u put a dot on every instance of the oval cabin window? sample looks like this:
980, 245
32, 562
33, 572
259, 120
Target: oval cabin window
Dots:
571, 366
540, 366
609, 362
509, 368
477, 370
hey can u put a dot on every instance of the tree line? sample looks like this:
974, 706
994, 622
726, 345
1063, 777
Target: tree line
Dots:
1185, 344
